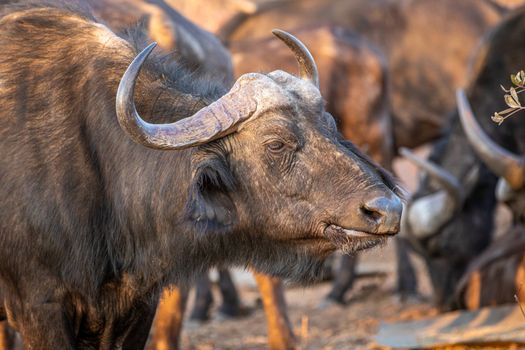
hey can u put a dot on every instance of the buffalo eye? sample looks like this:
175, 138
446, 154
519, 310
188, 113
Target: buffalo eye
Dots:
275, 146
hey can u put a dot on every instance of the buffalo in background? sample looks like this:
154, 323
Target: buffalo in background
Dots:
450, 219
196, 49
497, 275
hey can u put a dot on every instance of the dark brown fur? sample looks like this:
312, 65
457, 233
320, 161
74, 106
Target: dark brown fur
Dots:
355, 84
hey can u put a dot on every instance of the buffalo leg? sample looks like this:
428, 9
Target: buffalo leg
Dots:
231, 305
344, 279
168, 320
137, 334
444, 276
280, 334
406, 275
203, 298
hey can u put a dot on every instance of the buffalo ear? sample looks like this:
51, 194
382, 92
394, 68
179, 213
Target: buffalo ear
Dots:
210, 206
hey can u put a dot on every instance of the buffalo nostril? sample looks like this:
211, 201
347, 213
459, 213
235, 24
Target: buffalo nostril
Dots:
371, 213
385, 212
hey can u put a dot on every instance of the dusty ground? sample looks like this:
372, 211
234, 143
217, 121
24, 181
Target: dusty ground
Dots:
329, 327
354, 326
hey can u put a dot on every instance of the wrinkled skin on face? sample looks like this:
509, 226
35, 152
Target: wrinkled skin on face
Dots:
306, 186
353, 81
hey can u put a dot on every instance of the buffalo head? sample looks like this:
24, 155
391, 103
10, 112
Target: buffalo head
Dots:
269, 169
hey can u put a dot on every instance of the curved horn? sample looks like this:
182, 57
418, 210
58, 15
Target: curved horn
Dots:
212, 122
502, 162
307, 67
448, 181
426, 215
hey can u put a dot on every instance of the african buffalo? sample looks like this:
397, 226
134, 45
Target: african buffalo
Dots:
354, 81
110, 194
349, 67
450, 218
498, 274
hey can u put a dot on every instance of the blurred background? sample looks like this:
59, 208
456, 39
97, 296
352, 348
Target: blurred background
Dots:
389, 72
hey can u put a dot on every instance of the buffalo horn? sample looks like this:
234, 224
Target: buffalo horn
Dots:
219, 119
502, 162
427, 214
444, 178
307, 67
212, 122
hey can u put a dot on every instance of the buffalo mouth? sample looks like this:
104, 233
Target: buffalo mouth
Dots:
350, 240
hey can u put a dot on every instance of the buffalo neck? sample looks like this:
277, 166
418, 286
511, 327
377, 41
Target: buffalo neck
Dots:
148, 231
